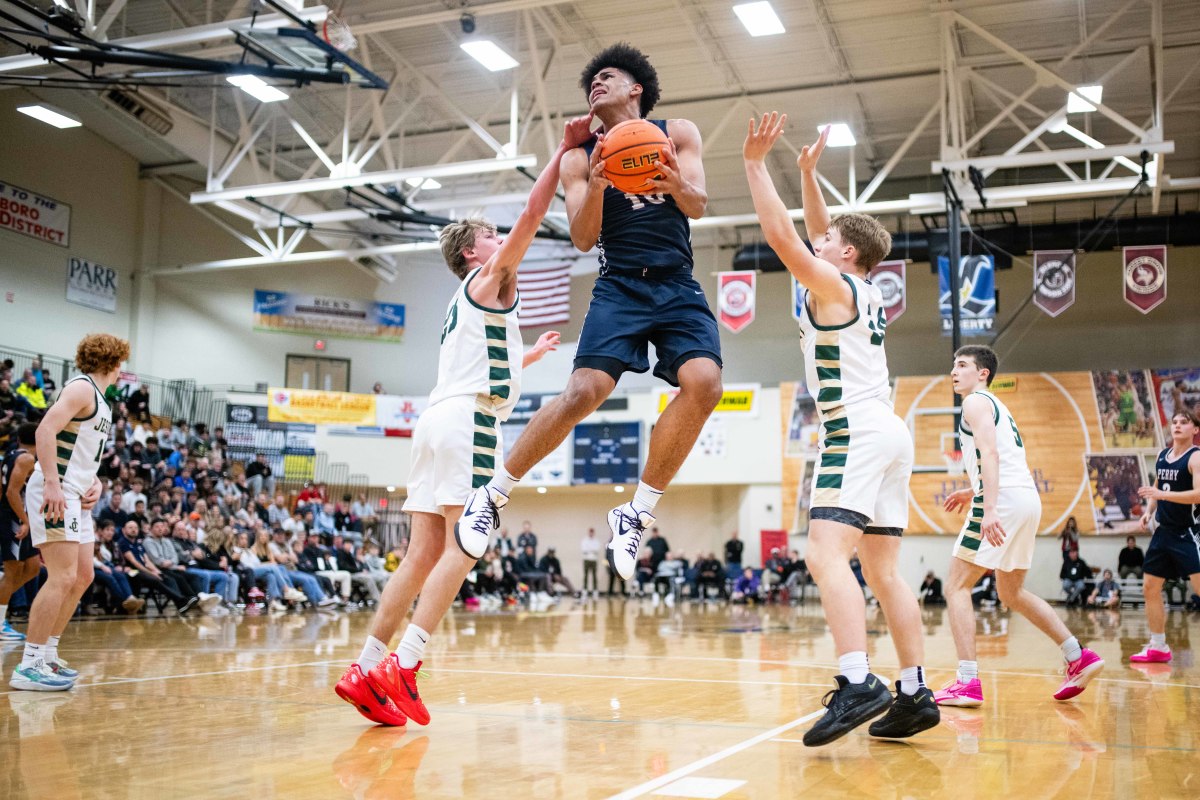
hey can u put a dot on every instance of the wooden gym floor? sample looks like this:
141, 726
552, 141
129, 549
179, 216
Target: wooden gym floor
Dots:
603, 699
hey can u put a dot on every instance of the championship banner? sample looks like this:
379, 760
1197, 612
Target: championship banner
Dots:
398, 415
1145, 276
890, 278
735, 299
35, 216
1054, 280
320, 408
313, 315
976, 297
91, 285
738, 398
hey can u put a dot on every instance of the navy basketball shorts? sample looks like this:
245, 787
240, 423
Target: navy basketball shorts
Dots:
630, 312
1173, 553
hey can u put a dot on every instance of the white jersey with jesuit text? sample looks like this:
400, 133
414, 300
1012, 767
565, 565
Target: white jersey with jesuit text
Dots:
1014, 470
481, 353
80, 445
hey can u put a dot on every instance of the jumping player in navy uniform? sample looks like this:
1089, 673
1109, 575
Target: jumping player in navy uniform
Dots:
1174, 552
20, 557
645, 294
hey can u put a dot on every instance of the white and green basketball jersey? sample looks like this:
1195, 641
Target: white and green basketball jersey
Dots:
846, 364
81, 444
1014, 470
481, 353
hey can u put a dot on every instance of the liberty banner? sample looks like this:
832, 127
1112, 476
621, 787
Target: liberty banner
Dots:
312, 315
1054, 280
735, 299
976, 296
889, 277
1145, 276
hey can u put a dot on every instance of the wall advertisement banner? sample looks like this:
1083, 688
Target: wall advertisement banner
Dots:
314, 315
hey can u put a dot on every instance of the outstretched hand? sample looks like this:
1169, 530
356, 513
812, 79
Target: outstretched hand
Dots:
547, 343
577, 131
760, 139
810, 154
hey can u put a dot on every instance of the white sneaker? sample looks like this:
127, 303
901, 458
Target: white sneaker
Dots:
208, 602
278, 606
327, 602
38, 678
481, 516
627, 527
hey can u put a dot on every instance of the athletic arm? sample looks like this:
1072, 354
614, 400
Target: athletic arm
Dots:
546, 343
819, 276
816, 214
979, 415
22, 469
583, 185
683, 168
76, 400
1153, 493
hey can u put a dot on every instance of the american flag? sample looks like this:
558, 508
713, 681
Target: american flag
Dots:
545, 295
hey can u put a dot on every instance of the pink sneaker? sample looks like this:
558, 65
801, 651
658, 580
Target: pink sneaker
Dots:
1150, 655
1079, 673
963, 695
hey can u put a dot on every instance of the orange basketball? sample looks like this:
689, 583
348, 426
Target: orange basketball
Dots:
631, 152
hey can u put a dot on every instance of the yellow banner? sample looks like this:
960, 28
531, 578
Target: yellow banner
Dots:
737, 399
1008, 383
320, 408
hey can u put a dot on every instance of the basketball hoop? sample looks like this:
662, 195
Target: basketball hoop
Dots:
335, 31
954, 463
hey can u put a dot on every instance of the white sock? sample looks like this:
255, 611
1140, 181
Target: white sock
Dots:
33, 652
968, 671
503, 482
373, 652
1071, 650
854, 666
412, 646
1158, 641
646, 498
51, 648
911, 679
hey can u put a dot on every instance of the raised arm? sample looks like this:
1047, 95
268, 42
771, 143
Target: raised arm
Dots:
978, 413
819, 276
816, 214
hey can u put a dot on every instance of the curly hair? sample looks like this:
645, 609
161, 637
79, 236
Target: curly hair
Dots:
459, 236
99, 353
626, 58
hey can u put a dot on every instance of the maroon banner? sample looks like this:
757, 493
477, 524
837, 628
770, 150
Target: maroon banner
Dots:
1145, 276
889, 277
1054, 280
735, 299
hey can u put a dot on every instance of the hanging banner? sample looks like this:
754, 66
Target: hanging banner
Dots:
1054, 280
398, 415
313, 315
320, 408
35, 216
737, 398
797, 299
735, 299
976, 297
91, 285
1145, 276
890, 278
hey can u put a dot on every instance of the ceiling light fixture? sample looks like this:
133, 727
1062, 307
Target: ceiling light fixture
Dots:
488, 53
1081, 100
428, 184
840, 134
51, 116
257, 88
759, 18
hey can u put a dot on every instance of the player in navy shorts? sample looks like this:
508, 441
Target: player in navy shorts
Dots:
1174, 551
645, 295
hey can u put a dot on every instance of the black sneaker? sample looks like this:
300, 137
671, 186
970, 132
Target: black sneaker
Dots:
186, 607
847, 707
908, 716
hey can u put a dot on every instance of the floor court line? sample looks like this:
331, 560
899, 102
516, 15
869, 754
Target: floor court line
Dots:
626, 677
721, 755
122, 681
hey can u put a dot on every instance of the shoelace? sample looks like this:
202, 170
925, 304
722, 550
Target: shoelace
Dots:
631, 547
482, 526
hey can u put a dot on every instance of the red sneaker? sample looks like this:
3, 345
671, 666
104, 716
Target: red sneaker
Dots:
400, 684
373, 703
1078, 674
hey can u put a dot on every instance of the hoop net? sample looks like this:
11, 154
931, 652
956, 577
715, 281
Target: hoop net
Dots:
335, 31
954, 463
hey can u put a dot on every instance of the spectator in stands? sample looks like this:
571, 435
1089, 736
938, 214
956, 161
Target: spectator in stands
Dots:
278, 512
1130, 559
1075, 574
269, 575
8, 400
527, 570
184, 481
138, 404
550, 565
317, 559
113, 576
589, 548
1106, 594
745, 588
667, 575
262, 508
200, 440
112, 512
29, 389
179, 433
348, 561
322, 521
294, 525
527, 538
374, 564
216, 555
774, 570
1069, 537
364, 512
343, 517
658, 547
797, 574
143, 572
505, 544
172, 557
709, 572
282, 557
377, 388
132, 497
733, 555
258, 475
178, 457
931, 590
311, 494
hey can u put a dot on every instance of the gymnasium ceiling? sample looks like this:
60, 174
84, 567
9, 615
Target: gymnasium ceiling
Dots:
874, 64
